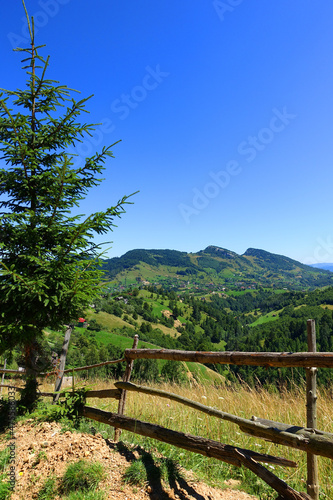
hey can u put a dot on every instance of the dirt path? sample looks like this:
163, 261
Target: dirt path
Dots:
42, 450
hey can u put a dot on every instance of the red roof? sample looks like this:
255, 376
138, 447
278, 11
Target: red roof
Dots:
82, 320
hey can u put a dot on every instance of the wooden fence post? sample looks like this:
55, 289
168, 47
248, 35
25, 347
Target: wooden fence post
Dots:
62, 364
311, 413
3, 377
126, 378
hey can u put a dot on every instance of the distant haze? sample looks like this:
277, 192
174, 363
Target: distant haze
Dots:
324, 265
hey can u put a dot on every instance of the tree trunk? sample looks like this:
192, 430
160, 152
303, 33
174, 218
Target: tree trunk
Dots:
29, 394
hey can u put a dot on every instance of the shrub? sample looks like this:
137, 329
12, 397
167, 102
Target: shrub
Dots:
145, 370
175, 372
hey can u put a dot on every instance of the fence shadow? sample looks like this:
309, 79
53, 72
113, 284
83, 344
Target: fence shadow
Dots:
162, 474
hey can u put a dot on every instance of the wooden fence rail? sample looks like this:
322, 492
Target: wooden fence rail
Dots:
266, 359
311, 440
204, 446
70, 370
101, 394
7, 370
294, 437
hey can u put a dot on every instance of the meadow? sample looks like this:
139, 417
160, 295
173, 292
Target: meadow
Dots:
287, 406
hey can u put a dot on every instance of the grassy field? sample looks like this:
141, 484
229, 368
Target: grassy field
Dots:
107, 321
288, 407
111, 322
201, 373
234, 293
271, 316
106, 337
327, 306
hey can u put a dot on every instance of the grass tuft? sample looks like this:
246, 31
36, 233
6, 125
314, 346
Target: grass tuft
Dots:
136, 474
152, 470
49, 489
5, 491
86, 495
4, 459
82, 476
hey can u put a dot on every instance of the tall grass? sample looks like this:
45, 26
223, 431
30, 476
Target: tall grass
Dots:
287, 406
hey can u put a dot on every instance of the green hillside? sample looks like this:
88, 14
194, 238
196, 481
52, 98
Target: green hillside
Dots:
198, 372
214, 268
264, 319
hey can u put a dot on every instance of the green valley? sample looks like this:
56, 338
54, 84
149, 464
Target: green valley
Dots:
251, 320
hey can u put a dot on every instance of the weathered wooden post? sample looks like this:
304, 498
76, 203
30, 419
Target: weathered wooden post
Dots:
126, 378
311, 413
63, 356
3, 378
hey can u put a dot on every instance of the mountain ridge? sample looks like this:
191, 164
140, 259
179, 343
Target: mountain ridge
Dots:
214, 266
325, 265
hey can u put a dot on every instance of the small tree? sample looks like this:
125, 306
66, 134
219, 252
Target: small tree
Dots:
174, 372
49, 262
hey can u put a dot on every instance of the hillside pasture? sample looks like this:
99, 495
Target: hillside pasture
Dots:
241, 400
111, 322
266, 318
200, 373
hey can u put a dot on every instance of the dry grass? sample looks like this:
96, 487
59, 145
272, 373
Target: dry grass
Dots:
288, 407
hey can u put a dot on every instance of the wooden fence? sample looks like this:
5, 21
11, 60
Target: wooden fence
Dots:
308, 439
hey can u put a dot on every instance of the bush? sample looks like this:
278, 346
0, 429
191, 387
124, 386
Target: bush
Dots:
174, 372
94, 326
68, 409
145, 370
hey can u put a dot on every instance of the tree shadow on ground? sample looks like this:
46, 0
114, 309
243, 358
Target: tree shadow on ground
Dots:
160, 473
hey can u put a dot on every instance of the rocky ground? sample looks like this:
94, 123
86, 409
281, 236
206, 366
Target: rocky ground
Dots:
42, 450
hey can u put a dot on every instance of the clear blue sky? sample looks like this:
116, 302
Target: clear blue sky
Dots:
224, 110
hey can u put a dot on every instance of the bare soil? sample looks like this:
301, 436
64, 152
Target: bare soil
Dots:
43, 450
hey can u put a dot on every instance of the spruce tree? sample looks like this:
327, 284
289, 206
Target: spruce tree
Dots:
49, 269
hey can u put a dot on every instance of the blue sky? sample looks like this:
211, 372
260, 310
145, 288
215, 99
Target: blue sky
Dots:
224, 110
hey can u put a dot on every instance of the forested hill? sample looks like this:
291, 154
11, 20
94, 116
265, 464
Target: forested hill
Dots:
215, 266
250, 321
